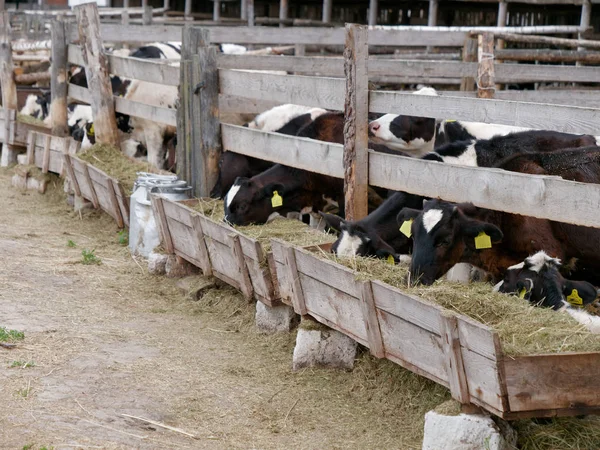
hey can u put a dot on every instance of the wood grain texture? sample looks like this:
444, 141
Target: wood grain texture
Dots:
98, 77
160, 114
565, 56
295, 287
243, 276
529, 115
469, 56
85, 187
302, 153
71, 174
455, 370
144, 69
485, 68
301, 90
58, 83
123, 200
553, 381
371, 320
483, 380
107, 199
161, 222
489, 188
356, 122
233, 104
203, 255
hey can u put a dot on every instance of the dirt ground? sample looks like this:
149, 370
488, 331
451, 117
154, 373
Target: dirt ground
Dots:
109, 339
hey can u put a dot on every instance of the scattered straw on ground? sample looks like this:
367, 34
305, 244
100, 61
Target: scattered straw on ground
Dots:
523, 329
293, 231
566, 433
115, 164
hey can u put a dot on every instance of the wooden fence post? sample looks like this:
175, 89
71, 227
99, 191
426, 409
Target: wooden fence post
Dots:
125, 3
244, 9
58, 83
485, 69
217, 10
188, 9
356, 121
469, 54
97, 73
283, 11
9, 88
327, 8
373, 12
433, 13
586, 13
147, 15
250, 12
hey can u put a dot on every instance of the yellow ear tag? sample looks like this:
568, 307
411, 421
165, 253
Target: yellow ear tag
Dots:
91, 130
522, 293
450, 120
574, 298
483, 241
390, 260
405, 228
276, 200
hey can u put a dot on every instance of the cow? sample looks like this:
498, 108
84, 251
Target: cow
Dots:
37, 106
538, 279
278, 116
158, 50
488, 152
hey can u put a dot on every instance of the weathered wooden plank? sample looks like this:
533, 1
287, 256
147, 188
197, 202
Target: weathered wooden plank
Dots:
371, 320
485, 69
46, 154
494, 188
158, 207
167, 116
75, 54
552, 381
86, 174
71, 174
261, 282
296, 289
477, 337
278, 249
184, 241
356, 123
96, 69
545, 55
145, 70
122, 199
233, 104
106, 198
217, 231
483, 380
505, 73
410, 343
79, 93
322, 65
301, 90
85, 187
243, 276
58, 84
198, 237
341, 310
302, 153
136, 33
222, 259
8, 88
179, 212
578, 97
455, 369
469, 55
528, 115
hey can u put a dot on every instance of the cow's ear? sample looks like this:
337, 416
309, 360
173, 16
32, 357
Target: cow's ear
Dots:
471, 228
575, 290
407, 214
335, 222
270, 189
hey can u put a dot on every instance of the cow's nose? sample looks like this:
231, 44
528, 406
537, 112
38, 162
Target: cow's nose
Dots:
374, 127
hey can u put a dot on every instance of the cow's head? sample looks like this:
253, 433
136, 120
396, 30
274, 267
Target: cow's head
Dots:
538, 280
249, 202
442, 233
408, 133
355, 240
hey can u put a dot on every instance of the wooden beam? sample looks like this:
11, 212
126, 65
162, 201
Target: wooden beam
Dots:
298, 301
371, 320
250, 12
502, 13
469, 55
216, 10
187, 11
531, 39
485, 69
356, 123
566, 56
149, 70
455, 369
243, 275
243, 10
147, 15
58, 84
586, 13
433, 13
283, 11
9, 88
97, 73
327, 9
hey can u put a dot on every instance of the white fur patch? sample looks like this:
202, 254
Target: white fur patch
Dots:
233, 49
348, 245
317, 112
426, 90
537, 261
517, 266
231, 194
277, 117
497, 286
31, 106
467, 158
597, 140
80, 112
431, 218
591, 323
383, 135
85, 143
488, 130
405, 259
274, 216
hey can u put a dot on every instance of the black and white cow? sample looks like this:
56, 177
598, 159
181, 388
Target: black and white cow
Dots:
538, 280
37, 106
158, 50
277, 117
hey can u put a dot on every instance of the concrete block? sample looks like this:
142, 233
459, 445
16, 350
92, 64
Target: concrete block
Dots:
9, 155
22, 159
323, 347
465, 432
19, 181
177, 267
275, 319
157, 263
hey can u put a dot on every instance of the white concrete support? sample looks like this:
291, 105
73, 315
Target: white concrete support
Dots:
276, 319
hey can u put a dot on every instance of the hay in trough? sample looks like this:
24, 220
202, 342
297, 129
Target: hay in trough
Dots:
523, 329
25, 118
289, 230
115, 164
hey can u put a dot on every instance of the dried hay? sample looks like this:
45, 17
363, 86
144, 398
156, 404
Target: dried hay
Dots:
565, 433
292, 231
25, 118
115, 164
523, 329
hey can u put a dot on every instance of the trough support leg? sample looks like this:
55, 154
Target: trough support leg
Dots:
275, 319
9, 89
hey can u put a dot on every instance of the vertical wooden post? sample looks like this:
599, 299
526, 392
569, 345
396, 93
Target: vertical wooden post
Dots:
433, 13
144, 4
1, 5
9, 88
97, 73
166, 6
250, 12
373, 12
283, 11
485, 69
244, 9
356, 111
217, 10
125, 3
188, 9
147, 15
469, 54
586, 13
124, 17
455, 368
327, 8
58, 84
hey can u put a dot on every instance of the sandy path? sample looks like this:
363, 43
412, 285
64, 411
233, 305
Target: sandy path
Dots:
109, 339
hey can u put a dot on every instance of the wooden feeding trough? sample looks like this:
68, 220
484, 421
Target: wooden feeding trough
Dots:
217, 248
46, 151
446, 347
96, 186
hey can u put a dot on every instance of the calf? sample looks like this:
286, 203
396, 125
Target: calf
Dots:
538, 280
278, 191
37, 106
158, 50
275, 118
489, 152
377, 234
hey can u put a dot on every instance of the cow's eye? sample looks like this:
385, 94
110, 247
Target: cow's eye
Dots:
444, 242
